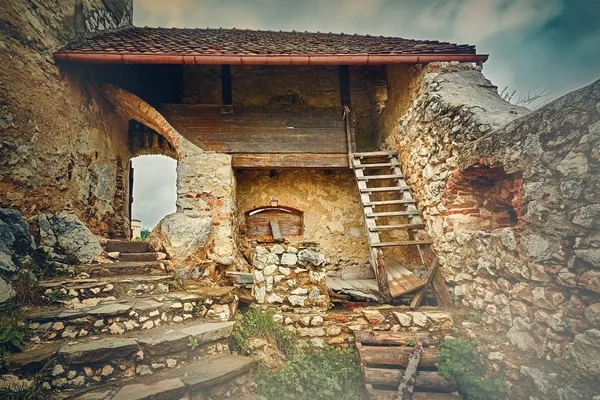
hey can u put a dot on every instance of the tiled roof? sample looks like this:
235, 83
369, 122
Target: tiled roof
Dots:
173, 41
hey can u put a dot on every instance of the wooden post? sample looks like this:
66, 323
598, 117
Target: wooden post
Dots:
226, 86
346, 101
407, 383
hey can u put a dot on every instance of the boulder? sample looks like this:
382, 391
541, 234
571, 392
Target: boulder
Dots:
15, 238
180, 236
68, 236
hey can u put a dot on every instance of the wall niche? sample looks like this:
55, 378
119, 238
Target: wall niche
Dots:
483, 197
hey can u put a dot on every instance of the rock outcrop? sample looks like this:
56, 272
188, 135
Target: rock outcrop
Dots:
68, 236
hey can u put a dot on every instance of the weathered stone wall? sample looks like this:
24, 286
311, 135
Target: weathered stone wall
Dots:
330, 203
513, 215
290, 275
337, 327
61, 141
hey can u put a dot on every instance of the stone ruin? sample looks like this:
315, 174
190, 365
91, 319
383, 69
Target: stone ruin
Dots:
509, 198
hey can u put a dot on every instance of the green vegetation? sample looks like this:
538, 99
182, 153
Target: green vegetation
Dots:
312, 373
12, 331
259, 324
193, 342
461, 360
309, 373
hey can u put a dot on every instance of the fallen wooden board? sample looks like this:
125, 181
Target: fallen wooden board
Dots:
427, 381
389, 395
393, 355
433, 270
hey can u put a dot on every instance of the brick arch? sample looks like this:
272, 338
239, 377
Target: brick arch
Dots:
131, 106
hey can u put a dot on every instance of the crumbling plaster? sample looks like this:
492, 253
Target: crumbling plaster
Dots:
330, 203
60, 139
536, 285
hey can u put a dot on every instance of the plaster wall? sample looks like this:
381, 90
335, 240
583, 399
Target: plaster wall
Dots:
329, 199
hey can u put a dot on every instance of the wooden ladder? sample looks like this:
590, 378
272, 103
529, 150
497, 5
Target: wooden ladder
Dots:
378, 173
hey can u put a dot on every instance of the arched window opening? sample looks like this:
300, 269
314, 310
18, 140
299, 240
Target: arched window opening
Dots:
274, 223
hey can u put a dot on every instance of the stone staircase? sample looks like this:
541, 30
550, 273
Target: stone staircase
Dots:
126, 330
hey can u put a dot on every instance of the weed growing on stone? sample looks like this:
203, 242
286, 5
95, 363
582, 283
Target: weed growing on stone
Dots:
311, 374
260, 324
193, 342
27, 390
461, 360
11, 330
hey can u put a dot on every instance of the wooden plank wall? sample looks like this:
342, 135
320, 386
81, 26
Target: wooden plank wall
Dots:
238, 129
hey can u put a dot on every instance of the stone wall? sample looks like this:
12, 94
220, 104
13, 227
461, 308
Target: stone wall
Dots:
60, 139
513, 213
290, 276
337, 327
330, 203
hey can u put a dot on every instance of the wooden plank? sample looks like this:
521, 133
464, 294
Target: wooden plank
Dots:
409, 284
388, 202
393, 338
384, 189
398, 227
379, 165
391, 214
401, 243
333, 284
380, 177
276, 230
384, 153
408, 379
427, 381
391, 395
431, 272
395, 355
441, 291
370, 283
289, 160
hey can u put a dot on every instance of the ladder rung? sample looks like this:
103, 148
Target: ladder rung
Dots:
385, 189
396, 227
392, 214
401, 243
379, 177
387, 202
378, 165
376, 154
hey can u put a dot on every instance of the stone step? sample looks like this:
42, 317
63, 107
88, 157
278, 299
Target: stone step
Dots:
125, 246
198, 377
90, 362
115, 317
126, 268
147, 256
59, 289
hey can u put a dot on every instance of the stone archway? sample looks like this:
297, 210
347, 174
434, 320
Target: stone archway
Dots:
205, 180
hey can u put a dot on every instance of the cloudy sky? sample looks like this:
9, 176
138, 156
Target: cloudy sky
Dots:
533, 44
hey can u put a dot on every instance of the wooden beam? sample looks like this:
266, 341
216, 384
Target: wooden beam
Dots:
426, 380
289, 160
394, 356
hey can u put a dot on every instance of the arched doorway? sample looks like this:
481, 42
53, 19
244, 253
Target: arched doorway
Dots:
153, 191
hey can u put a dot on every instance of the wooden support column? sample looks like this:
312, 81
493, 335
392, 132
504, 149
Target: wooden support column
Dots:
346, 100
226, 86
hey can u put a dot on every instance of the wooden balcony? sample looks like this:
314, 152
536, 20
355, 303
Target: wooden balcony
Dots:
264, 137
